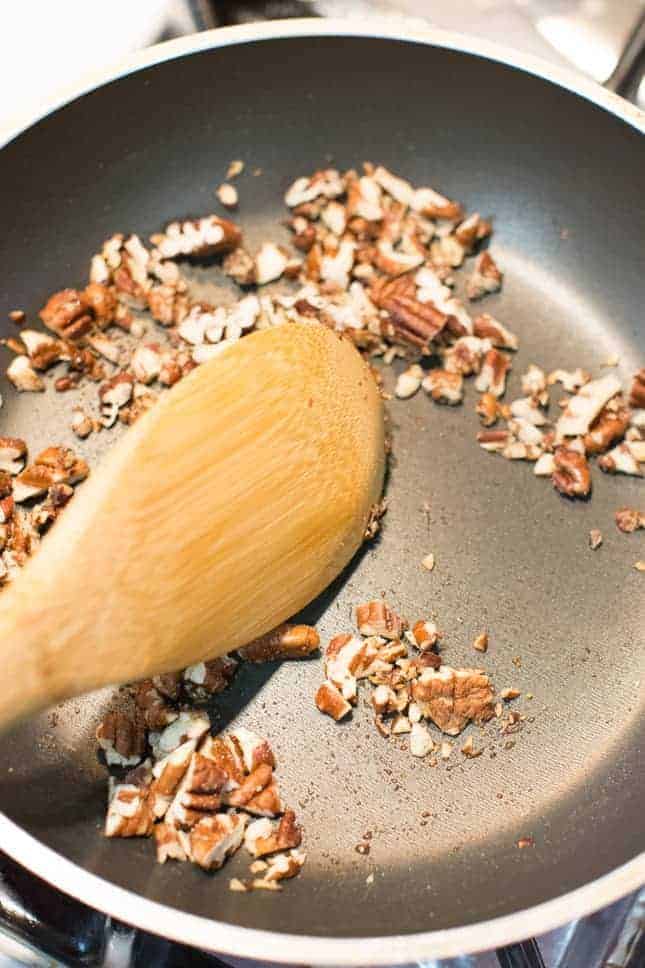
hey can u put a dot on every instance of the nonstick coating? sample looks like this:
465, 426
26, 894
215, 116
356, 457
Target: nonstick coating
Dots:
565, 182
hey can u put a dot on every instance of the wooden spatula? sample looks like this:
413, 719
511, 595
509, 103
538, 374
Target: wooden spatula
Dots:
223, 511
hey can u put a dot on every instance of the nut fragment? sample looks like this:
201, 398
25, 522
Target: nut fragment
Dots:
205, 679
584, 407
480, 643
23, 376
620, 460
421, 742
572, 475
428, 562
452, 697
487, 327
444, 387
377, 618
629, 520
408, 382
330, 701
637, 392
493, 373
486, 278
227, 195
595, 538
122, 737
284, 642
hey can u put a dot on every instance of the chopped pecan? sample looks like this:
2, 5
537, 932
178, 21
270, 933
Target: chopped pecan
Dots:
377, 618
584, 407
465, 355
330, 701
444, 387
544, 466
253, 749
168, 684
377, 513
421, 742
190, 724
487, 327
270, 263
570, 379
54, 465
265, 837
167, 305
472, 230
395, 262
447, 252
494, 441
327, 184
284, 642
214, 838
487, 277
488, 409
168, 773
122, 737
408, 319
169, 842
23, 376
102, 303
595, 539
43, 350
608, 428
528, 410
572, 474
637, 391
57, 497
146, 362
227, 195
425, 635
129, 813
493, 373
205, 679
155, 710
620, 460
82, 425
453, 697
68, 313
534, 384
13, 453
240, 265
629, 520
198, 238
431, 204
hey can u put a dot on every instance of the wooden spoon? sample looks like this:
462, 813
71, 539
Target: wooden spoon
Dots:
227, 507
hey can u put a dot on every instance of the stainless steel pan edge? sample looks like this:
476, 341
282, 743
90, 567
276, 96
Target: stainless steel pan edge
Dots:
224, 938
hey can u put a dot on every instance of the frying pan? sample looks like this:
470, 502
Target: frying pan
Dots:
559, 162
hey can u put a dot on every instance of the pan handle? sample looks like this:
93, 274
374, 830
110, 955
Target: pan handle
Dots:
620, 81
525, 954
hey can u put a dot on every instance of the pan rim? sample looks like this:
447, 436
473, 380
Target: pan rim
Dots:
238, 941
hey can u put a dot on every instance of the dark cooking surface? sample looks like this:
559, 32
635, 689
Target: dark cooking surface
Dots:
511, 555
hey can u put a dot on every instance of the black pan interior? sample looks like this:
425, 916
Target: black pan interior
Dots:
511, 555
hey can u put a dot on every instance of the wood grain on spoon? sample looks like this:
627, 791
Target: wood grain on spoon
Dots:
223, 511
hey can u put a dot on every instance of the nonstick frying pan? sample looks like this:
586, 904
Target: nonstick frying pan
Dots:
559, 163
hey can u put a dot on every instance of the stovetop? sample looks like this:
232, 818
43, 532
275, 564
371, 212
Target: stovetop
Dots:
40, 926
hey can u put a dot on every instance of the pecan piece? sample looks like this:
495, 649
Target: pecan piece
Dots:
584, 407
493, 373
621, 460
68, 314
57, 497
377, 618
198, 238
472, 230
572, 474
215, 838
13, 452
155, 711
444, 387
453, 697
23, 376
608, 428
102, 303
330, 701
637, 391
122, 737
629, 520
205, 679
129, 813
284, 642
408, 319
486, 278
54, 465
264, 837
169, 843
240, 265
487, 327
